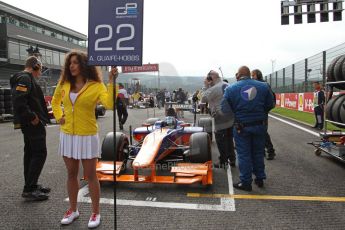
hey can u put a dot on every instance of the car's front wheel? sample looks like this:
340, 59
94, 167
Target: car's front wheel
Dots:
200, 148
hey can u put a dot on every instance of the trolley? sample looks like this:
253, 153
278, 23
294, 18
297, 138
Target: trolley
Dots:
331, 143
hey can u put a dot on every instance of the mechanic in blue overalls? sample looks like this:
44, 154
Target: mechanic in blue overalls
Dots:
251, 101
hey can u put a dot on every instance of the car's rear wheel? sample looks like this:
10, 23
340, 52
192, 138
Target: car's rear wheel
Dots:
206, 123
200, 148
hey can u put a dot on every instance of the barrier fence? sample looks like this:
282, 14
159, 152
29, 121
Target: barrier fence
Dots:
298, 77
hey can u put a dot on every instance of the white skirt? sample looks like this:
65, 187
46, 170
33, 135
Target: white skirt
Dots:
79, 147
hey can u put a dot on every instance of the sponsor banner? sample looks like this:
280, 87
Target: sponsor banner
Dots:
291, 101
143, 68
308, 102
282, 100
278, 96
300, 101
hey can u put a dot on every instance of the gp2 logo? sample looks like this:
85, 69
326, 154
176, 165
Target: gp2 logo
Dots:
128, 9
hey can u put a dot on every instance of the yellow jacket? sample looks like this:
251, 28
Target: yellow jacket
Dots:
80, 118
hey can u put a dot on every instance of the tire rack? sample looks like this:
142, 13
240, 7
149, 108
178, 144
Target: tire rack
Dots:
333, 150
6, 109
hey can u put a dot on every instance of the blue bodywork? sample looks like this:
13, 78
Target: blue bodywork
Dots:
169, 141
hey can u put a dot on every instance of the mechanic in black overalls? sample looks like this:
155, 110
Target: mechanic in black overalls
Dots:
319, 102
31, 116
257, 75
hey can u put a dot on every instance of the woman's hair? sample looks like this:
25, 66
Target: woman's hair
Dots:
88, 72
258, 75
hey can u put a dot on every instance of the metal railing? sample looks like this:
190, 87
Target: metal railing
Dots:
299, 76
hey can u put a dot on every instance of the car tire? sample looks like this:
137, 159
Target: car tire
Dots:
339, 75
206, 123
336, 108
96, 113
8, 104
8, 111
200, 148
103, 111
342, 112
329, 108
7, 91
7, 98
330, 69
122, 145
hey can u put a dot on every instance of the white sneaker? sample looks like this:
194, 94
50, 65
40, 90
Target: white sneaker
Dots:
69, 217
94, 221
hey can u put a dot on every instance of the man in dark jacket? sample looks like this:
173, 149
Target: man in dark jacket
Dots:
31, 116
121, 105
319, 102
257, 75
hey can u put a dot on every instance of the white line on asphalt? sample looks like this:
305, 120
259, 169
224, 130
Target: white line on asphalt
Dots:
226, 204
229, 201
294, 125
171, 205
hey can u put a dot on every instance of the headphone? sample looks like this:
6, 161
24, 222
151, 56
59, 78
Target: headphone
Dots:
36, 65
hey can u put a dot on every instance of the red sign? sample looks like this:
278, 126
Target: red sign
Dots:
296, 101
278, 98
143, 68
308, 104
291, 100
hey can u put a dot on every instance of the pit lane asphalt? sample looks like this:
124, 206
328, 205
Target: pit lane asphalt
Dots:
295, 172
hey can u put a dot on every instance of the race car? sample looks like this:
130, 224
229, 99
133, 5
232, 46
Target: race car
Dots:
187, 148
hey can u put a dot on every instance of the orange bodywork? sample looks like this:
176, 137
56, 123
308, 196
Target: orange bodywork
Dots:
149, 149
183, 173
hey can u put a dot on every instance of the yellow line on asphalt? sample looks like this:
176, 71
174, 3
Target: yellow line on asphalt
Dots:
268, 197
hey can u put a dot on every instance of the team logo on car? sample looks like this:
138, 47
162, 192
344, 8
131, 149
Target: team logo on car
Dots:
248, 92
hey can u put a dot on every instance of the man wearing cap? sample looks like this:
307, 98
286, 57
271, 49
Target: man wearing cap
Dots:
250, 100
31, 116
257, 75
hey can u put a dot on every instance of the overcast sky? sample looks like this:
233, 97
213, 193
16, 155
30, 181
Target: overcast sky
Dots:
190, 37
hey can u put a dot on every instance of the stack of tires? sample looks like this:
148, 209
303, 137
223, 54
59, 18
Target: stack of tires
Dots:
336, 71
5, 101
335, 109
